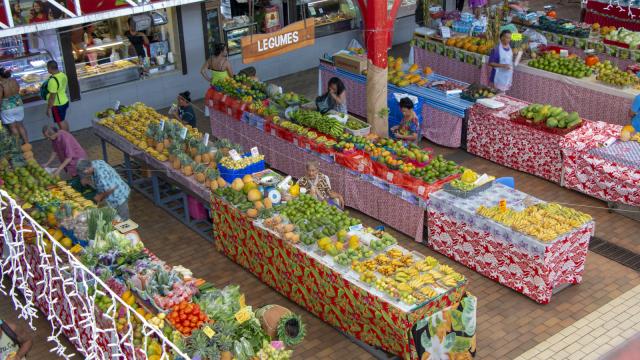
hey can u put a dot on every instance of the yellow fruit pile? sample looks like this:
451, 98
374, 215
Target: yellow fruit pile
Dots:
472, 44
64, 192
543, 221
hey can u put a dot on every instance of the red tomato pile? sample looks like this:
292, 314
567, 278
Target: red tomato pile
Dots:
187, 317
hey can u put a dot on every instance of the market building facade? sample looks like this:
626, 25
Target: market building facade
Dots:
105, 63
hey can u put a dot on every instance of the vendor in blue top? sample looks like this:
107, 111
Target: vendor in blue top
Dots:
634, 113
501, 62
185, 111
409, 126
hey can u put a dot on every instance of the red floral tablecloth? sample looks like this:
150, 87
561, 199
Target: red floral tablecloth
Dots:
338, 301
515, 260
452, 68
493, 136
589, 173
438, 126
359, 194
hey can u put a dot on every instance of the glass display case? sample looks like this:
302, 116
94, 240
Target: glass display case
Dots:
407, 8
331, 16
30, 70
106, 64
213, 33
234, 32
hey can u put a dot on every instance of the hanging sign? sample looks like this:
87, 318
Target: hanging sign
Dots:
289, 38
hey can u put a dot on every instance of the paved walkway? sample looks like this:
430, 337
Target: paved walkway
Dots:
596, 334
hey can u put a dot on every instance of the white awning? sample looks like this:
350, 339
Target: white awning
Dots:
76, 18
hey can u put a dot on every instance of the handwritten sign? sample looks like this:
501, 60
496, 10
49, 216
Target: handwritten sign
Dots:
254, 151
503, 205
205, 138
263, 46
234, 155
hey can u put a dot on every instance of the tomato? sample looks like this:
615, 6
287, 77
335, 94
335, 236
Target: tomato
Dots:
200, 323
183, 316
182, 305
202, 317
186, 323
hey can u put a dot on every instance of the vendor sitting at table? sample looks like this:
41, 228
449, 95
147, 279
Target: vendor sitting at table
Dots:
319, 186
408, 128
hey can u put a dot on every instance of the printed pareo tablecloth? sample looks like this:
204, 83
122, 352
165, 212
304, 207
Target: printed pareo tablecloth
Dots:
446, 325
359, 194
492, 135
515, 260
441, 116
600, 172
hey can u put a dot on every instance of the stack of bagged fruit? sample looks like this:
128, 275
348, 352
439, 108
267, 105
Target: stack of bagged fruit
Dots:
471, 44
611, 74
544, 221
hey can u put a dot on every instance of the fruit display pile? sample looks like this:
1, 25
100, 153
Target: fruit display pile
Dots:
467, 181
570, 66
550, 116
563, 26
471, 44
545, 221
610, 74
315, 120
407, 278
242, 87
398, 77
476, 91
438, 169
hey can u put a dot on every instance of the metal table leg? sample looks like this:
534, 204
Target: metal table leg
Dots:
105, 156
128, 170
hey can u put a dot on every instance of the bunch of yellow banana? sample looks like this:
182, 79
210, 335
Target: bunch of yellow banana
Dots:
436, 275
382, 259
446, 269
394, 253
457, 276
386, 270
368, 277
448, 281
426, 279
362, 266
428, 291
402, 287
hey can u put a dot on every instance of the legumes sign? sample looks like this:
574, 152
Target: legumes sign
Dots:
264, 46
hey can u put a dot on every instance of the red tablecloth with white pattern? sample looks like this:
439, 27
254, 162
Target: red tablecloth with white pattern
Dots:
588, 172
290, 159
492, 135
514, 260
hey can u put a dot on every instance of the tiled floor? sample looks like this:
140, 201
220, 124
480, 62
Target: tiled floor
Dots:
603, 310
595, 334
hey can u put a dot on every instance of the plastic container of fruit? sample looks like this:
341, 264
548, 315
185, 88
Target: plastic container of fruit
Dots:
364, 131
231, 174
466, 193
519, 119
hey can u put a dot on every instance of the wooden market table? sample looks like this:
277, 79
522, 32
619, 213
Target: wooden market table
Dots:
400, 210
442, 115
513, 259
492, 135
340, 299
159, 185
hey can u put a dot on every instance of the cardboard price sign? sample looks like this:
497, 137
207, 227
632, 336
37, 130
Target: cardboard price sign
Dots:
289, 38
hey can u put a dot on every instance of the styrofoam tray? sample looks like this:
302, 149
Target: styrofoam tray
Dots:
490, 103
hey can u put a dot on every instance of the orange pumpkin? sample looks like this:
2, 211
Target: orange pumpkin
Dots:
591, 60
552, 14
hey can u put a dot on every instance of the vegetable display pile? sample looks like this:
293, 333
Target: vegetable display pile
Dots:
315, 120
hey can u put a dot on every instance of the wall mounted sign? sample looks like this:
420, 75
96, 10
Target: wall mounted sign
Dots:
292, 37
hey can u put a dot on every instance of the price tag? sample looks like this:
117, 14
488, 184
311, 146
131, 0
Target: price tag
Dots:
307, 146
421, 190
389, 176
321, 11
161, 125
234, 155
273, 132
229, 111
241, 300
445, 31
208, 331
295, 141
116, 106
183, 133
358, 227
360, 167
503, 205
312, 11
205, 138
254, 151
241, 316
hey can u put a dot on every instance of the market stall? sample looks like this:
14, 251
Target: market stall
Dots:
610, 173
442, 115
359, 191
344, 299
518, 259
492, 135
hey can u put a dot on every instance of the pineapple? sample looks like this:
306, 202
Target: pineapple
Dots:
212, 178
199, 169
186, 164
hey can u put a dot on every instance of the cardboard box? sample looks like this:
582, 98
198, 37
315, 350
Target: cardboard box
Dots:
354, 64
